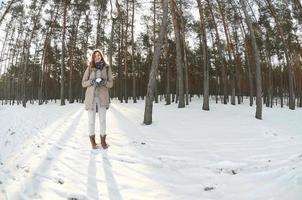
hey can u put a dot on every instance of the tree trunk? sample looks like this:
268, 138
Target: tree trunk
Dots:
205, 105
287, 57
73, 42
168, 90
63, 55
248, 53
126, 52
6, 10
298, 4
27, 54
184, 54
221, 57
44, 56
120, 62
98, 31
230, 61
132, 57
179, 63
154, 65
257, 61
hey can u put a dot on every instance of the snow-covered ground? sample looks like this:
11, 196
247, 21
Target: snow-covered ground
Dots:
223, 154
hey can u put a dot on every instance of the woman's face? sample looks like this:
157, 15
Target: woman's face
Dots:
97, 57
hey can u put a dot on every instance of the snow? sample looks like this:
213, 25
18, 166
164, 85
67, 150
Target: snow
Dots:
187, 153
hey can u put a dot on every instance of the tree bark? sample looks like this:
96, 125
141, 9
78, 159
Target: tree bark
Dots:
62, 83
179, 63
126, 53
257, 62
6, 10
287, 57
154, 65
232, 75
184, 54
168, 69
132, 56
221, 56
205, 105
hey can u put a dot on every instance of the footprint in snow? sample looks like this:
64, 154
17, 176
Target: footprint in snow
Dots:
137, 143
56, 169
49, 158
228, 171
208, 188
36, 196
271, 133
59, 180
76, 197
59, 148
27, 170
299, 180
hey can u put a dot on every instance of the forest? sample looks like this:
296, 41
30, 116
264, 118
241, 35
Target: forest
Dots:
159, 50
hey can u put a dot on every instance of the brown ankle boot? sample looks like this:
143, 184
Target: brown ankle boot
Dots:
103, 142
92, 141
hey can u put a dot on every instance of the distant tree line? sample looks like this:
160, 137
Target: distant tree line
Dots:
240, 48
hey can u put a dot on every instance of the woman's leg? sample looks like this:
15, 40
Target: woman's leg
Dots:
91, 125
102, 119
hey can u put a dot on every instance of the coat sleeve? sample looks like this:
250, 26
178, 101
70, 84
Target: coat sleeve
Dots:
109, 83
85, 80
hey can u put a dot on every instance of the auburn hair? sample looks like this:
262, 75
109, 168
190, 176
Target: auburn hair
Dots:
92, 61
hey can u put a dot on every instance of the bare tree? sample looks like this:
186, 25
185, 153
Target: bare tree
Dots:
132, 54
205, 105
220, 54
287, 56
154, 65
179, 62
230, 61
27, 44
257, 61
6, 10
62, 94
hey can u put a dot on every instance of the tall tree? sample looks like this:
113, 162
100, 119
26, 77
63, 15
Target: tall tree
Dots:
287, 55
257, 62
184, 52
35, 19
222, 9
46, 48
154, 66
62, 94
6, 10
179, 62
132, 54
220, 55
126, 52
205, 105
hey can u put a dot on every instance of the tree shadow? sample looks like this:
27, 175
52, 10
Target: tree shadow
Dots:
112, 186
91, 178
46, 163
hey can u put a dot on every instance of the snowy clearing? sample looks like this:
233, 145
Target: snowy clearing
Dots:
224, 153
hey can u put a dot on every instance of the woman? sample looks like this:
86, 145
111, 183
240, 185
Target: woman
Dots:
97, 79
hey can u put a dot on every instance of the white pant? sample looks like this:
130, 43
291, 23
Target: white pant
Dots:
102, 117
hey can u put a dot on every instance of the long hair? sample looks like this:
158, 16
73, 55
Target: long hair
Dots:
92, 61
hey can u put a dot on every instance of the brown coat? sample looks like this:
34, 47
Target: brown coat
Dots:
89, 75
